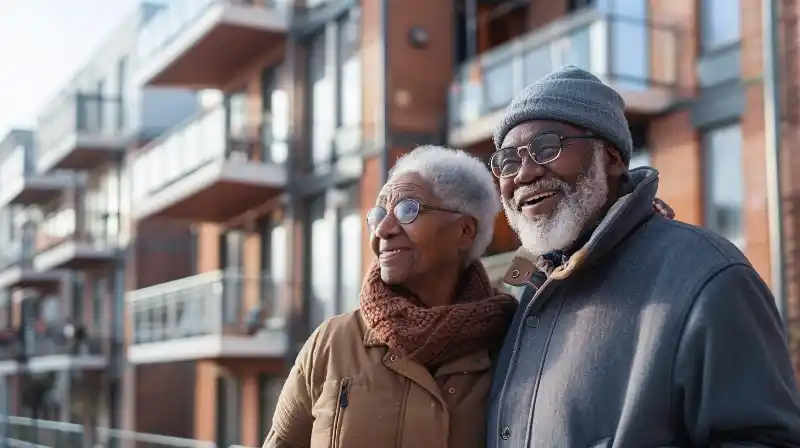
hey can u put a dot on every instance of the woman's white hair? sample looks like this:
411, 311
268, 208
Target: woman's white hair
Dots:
461, 182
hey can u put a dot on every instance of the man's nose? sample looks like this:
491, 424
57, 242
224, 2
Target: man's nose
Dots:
529, 172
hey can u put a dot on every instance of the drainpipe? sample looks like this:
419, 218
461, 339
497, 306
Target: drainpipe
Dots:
386, 134
772, 146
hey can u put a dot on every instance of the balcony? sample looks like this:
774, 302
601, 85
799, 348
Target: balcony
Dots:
16, 265
204, 317
201, 172
71, 240
22, 185
81, 132
638, 59
205, 43
60, 346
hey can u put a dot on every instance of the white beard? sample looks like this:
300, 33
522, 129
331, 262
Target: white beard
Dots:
542, 234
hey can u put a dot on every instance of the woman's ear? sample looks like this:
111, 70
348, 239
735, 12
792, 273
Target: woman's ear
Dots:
469, 229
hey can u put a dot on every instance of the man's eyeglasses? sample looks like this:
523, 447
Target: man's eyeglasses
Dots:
542, 149
405, 212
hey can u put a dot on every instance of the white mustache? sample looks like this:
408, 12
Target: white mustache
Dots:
550, 184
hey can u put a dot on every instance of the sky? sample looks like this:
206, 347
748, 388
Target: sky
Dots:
42, 44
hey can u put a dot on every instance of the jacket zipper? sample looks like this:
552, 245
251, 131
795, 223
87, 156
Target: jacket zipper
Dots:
341, 404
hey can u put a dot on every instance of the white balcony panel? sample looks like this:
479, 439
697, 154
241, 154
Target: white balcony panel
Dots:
57, 363
180, 26
264, 345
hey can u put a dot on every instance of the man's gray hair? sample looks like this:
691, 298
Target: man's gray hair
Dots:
461, 182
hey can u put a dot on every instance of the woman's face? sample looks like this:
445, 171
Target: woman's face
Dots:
433, 243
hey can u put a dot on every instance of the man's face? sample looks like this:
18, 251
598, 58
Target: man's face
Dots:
549, 205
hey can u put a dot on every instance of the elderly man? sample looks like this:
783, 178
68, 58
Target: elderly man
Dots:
633, 330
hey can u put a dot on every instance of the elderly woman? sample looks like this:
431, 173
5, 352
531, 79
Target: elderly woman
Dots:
411, 368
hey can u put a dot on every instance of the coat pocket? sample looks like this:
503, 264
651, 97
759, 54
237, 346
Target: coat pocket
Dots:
342, 401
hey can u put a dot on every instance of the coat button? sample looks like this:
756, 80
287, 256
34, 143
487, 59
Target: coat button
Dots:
532, 321
452, 390
393, 358
505, 433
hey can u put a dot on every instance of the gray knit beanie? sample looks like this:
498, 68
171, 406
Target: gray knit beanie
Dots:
573, 96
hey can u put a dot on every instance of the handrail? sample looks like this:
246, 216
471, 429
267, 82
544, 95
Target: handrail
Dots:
174, 286
176, 442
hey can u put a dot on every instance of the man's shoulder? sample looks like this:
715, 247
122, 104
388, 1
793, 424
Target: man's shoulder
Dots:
695, 246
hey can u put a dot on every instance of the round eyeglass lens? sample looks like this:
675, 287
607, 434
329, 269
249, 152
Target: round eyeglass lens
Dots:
406, 211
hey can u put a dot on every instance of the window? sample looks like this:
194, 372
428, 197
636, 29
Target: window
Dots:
720, 23
269, 388
323, 262
275, 115
322, 102
229, 399
349, 77
99, 289
724, 182
237, 113
350, 240
78, 290
231, 261
274, 246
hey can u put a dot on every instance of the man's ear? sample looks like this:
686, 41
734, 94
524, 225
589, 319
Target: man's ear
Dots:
615, 166
469, 229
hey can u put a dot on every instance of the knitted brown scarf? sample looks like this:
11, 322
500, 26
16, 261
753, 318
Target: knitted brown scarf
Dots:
434, 335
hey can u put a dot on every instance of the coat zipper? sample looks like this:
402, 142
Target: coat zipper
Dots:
341, 405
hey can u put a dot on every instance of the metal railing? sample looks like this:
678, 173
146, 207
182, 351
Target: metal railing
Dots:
52, 340
204, 304
631, 53
175, 17
193, 145
26, 432
98, 229
81, 113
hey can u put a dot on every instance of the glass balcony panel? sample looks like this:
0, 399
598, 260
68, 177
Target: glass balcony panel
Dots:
202, 305
615, 48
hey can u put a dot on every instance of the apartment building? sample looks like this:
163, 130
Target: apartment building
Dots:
64, 202
254, 207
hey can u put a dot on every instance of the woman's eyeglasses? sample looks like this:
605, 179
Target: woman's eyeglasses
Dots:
542, 149
405, 212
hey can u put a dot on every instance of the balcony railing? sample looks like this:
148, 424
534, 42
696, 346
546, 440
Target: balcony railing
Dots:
197, 143
213, 303
175, 17
13, 167
52, 339
633, 55
20, 251
95, 229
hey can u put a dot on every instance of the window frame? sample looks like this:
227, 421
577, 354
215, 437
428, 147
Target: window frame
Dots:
709, 171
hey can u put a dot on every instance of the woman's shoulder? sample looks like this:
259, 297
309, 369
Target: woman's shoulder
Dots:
343, 326
336, 332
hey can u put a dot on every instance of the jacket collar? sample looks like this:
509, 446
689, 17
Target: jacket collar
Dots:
624, 216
